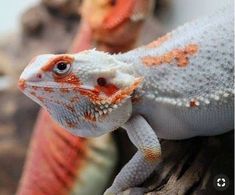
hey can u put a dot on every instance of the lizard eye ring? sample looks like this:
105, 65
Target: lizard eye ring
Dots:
62, 68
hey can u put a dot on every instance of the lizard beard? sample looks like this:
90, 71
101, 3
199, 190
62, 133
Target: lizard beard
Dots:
78, 114
85, 119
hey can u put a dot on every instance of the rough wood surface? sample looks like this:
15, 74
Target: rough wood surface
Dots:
190, 167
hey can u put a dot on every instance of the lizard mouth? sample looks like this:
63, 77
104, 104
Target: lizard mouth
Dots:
93, 108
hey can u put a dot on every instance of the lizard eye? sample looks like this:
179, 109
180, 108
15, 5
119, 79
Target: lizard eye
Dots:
62, 68
101, 81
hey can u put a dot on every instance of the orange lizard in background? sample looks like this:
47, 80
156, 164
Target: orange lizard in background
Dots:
114, 24
58, 162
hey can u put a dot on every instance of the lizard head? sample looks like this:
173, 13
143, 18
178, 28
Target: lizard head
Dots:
88, 93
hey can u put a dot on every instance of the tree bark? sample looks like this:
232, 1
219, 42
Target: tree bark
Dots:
191, 166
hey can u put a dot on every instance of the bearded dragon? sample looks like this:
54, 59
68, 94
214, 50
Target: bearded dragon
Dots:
176, 87
50, 143
114, 25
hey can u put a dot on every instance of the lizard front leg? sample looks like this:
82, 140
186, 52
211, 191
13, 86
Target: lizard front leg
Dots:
145, 159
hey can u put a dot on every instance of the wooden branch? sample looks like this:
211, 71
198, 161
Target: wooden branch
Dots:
190, 166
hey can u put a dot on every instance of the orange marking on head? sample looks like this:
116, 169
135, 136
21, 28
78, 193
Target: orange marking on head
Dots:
180, 55
159, 41
70, 79
54, 60
152, 155
93, 95
64, 90
22, 84
108, 89
115, 95
48, 89
124, 93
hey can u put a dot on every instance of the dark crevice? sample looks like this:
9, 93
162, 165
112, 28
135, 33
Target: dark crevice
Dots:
167, 177
193, 154
193, 188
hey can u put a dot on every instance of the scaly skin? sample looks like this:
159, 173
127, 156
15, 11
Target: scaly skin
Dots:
63, 172
177, 87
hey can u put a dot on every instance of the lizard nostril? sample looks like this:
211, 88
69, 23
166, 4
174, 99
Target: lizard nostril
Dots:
39, 76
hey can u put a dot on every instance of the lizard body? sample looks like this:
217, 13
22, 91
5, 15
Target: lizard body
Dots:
196, 96
177, 87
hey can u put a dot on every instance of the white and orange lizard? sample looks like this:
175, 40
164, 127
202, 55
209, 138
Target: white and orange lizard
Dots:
113, 26
177, 87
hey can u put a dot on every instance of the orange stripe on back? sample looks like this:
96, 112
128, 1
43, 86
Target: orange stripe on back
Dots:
178, 55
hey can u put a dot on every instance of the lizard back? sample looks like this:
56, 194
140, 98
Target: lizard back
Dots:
194, 60
188, 78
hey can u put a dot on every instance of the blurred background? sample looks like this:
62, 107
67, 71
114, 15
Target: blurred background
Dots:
32, 27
